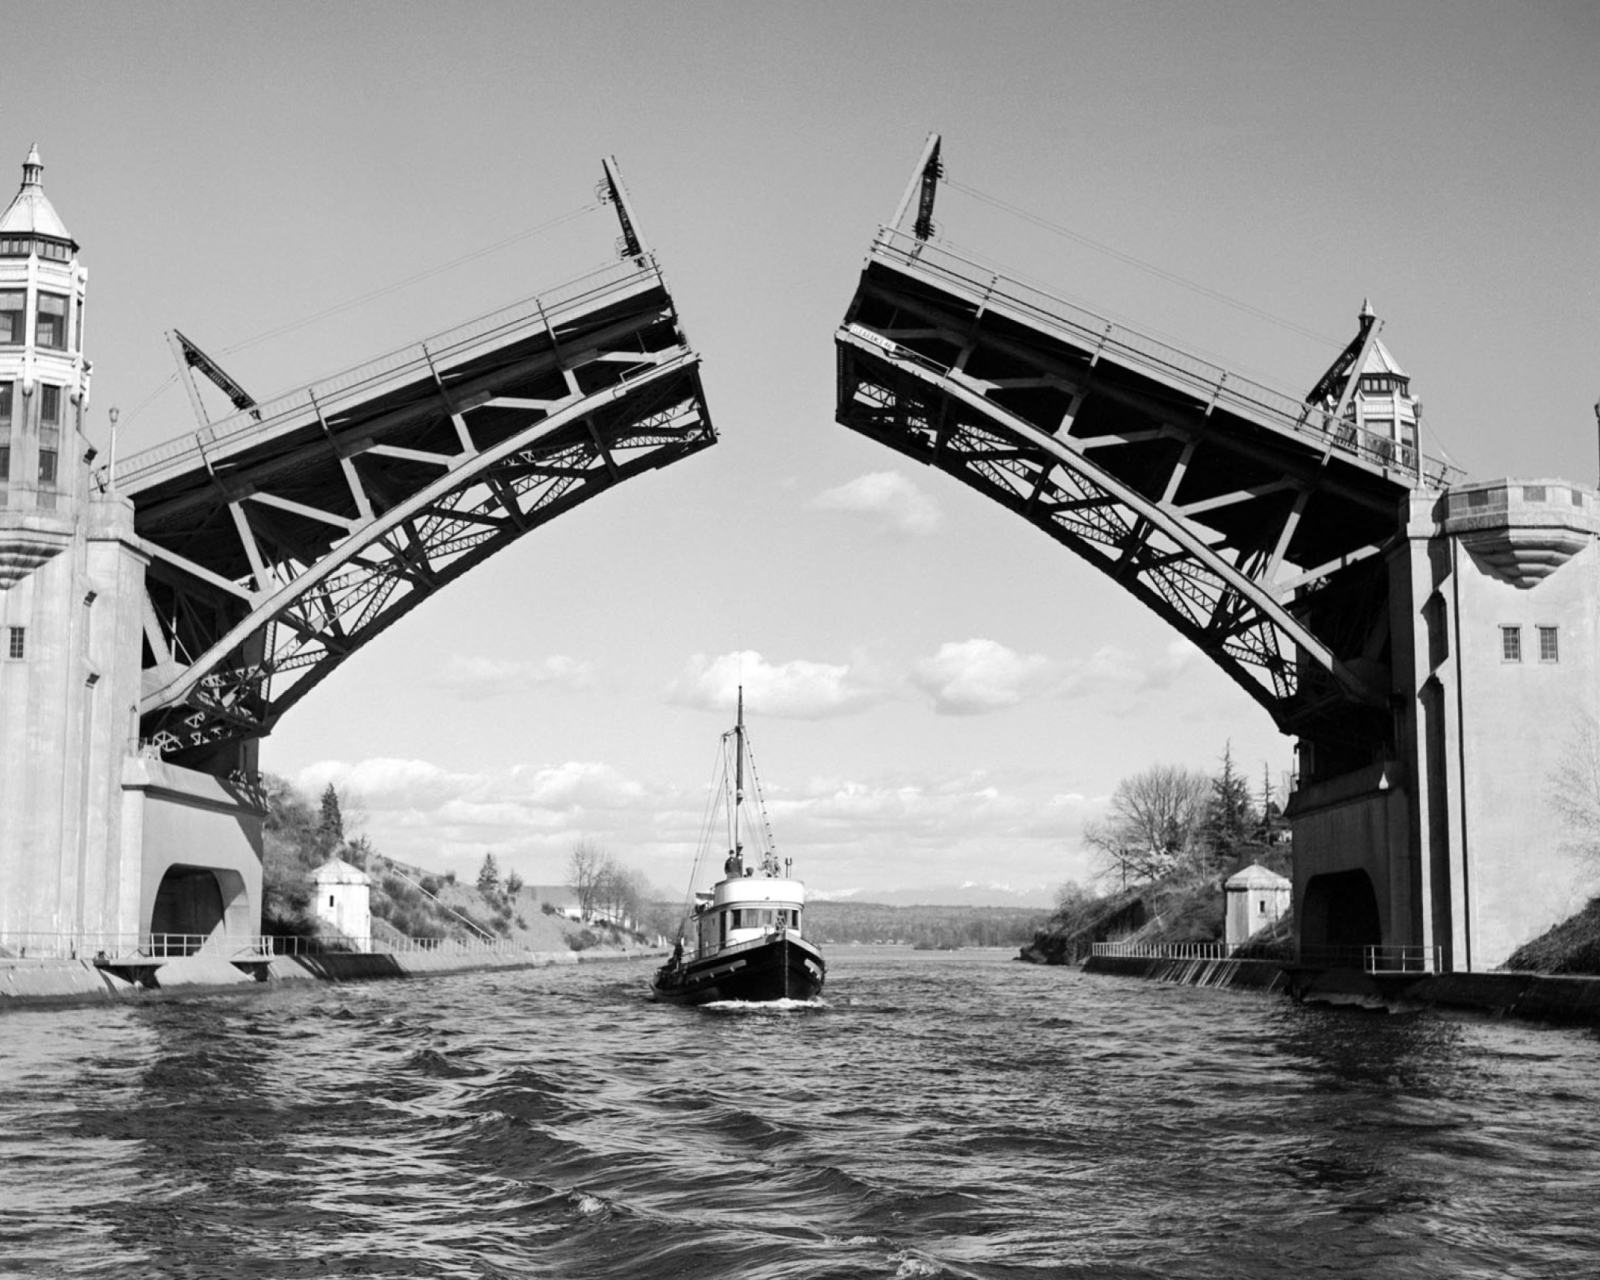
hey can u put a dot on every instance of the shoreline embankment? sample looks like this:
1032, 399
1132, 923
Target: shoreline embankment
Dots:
1533, 996
26, 983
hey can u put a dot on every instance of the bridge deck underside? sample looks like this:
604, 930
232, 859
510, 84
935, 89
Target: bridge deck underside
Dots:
1230, 518
279, 546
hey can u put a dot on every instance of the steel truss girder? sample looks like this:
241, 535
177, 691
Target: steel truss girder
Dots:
229, 658
1218, 595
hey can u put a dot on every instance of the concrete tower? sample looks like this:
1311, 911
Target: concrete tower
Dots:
99, 843
1450, 843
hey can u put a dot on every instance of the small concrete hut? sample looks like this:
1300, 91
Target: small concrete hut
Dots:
343, 900
1255, 899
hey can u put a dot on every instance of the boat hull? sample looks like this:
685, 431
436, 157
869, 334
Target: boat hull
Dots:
781, 967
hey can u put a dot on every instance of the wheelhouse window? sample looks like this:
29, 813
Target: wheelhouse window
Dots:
1549, 645
50, 322
1510, 644
16, 646
13, 315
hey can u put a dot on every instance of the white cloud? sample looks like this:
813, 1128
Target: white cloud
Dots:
795, 690
477, 678
972, 677
889, 831
892, 501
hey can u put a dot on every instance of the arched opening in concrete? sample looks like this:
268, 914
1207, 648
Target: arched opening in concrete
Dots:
1340, 910
199, 903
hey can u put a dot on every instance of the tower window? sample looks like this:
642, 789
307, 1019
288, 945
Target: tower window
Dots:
16, 646
49, 405
5, 462
5, 406
47, 466
1510, 644
50, 323
1549, 646
12, 310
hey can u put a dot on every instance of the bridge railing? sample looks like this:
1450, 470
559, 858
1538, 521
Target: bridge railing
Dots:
1205, 379
132, 948
38, 945
383, 373
1369, 959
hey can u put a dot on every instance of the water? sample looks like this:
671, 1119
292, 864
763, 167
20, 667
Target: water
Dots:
945, 1114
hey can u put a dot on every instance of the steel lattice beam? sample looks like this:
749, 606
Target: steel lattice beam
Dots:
1223, 509
279, 545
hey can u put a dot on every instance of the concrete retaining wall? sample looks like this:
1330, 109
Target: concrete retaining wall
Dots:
1515, 995
35, 982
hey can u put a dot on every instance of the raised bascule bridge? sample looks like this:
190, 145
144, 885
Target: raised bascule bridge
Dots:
189, 595
1355, 587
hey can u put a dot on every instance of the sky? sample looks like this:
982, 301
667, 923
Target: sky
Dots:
937, 693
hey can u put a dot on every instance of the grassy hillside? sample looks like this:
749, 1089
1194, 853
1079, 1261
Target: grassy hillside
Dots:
407, 901
1572, 947
1186, 906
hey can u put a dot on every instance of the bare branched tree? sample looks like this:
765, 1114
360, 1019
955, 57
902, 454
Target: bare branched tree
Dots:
585, 869
1154, 819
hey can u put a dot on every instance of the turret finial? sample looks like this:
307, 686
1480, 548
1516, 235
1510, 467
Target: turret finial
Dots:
32, 167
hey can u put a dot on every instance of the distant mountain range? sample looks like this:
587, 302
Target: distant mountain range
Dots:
970, 894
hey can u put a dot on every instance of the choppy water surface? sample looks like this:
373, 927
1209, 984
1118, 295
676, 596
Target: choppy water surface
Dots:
944, 1114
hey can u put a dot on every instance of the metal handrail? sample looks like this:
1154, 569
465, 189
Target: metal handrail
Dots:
133, 948
1375, 959
395, 368
1210, 381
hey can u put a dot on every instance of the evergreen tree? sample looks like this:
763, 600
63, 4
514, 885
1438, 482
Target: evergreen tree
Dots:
1230, 820
330, 831
488, 876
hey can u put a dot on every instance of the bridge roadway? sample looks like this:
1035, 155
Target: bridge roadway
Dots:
286, 536
1249, 520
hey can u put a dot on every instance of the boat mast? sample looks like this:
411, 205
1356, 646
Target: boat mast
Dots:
738, 772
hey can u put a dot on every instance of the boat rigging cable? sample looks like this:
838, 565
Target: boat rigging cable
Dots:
718, 803
719, 771
766, 840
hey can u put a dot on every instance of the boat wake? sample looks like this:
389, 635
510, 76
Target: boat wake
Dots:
784, 1005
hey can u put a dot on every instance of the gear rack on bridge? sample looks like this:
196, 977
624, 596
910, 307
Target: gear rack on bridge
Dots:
287, 535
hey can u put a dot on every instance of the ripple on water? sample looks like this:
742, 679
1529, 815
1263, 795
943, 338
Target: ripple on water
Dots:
938, 1115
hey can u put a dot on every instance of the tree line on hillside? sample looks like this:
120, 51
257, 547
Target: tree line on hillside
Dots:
920, 926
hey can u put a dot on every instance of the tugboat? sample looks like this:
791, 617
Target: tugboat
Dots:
741, 939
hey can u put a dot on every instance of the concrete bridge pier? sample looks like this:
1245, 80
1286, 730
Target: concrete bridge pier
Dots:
1451, 842
100, 844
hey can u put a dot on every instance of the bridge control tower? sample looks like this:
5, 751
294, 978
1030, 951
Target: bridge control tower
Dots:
76, 799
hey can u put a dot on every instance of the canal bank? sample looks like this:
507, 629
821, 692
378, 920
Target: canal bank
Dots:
1533, 996
28, 982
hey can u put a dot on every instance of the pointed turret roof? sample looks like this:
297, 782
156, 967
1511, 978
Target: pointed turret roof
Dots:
30, 212
1379, 360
